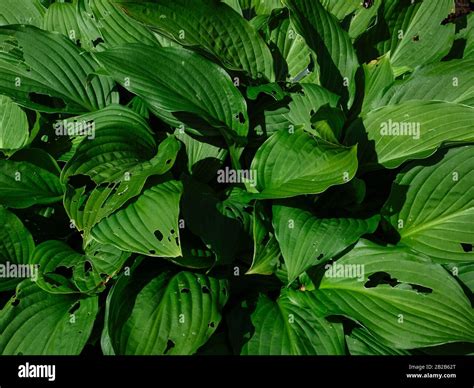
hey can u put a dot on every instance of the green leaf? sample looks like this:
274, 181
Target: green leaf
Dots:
49, 73
378, 78
187, 22
72, 22
432, 206
425, 38
204, 159
294, 51
260, 7
21, 12
148, 226
328, 124
306, 240
138, 106
16, 246
307, 103
86, 207
393, 18
167, 314
119, 159
29, 178
423, 127
179, 85
300, 110
469, 33
116, 27
363, 19
465, 273
231, 39
404, 300
266, 253
324, 35
234, 4
13, 126
117, 140
204, 215
341, 9
290, 164
361, 343
451, 81
285, 327
90, 271
64, 321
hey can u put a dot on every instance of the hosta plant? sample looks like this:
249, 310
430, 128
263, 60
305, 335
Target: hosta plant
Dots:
248, 177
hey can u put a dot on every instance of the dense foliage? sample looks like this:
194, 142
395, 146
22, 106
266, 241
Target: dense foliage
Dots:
236, 177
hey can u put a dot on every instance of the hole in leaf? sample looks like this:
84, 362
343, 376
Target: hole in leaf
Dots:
466, 247
185, 290
212, 324
81, 180
16, 302
241, 118
421, 289
379, 278
64, 271
416, 38
44, 99
172, 231
176, 240
158, 235
168, 161
97, 41
205, 290
74, 307
87, 266
368, 3
151, 251
169, 345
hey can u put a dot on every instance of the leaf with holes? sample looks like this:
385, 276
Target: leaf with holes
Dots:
400, 296
165, 314
62, 270
148, 225
207, 92
432, 207
32, 79
65, 322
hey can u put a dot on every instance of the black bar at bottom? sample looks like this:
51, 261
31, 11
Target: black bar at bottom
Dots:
433, 371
